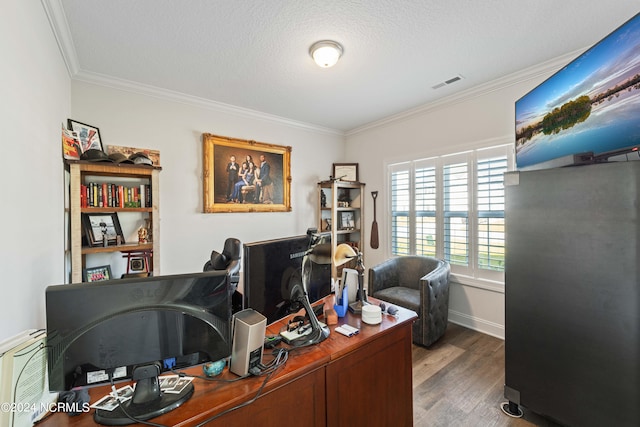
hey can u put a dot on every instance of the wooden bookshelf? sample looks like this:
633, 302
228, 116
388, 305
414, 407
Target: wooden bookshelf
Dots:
84, 172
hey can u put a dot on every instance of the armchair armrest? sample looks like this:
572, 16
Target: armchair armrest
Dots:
434, 297
437, 280
440, 273
383, 276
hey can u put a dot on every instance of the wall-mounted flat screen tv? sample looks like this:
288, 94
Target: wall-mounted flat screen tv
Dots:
588, 111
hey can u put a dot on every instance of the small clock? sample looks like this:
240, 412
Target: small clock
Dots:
345, 171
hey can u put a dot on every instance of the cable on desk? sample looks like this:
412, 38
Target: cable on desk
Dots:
242, 405
280, 358
204, 377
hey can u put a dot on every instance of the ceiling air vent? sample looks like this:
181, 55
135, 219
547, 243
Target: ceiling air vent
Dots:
448, 82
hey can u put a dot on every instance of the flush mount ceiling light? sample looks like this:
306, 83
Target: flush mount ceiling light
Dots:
326, 53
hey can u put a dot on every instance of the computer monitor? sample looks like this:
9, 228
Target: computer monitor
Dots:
273, 267
136, 329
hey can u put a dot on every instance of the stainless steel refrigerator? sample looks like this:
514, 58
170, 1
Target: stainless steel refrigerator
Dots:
572, 293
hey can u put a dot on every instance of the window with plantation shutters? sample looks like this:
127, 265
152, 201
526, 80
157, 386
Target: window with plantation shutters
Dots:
452, 207
425, 210
456, 213
490, 206
400, 200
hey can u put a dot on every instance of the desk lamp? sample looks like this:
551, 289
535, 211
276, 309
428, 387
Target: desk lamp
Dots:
319, 253
343, 254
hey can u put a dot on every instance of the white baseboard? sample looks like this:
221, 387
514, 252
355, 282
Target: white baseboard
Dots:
477, 324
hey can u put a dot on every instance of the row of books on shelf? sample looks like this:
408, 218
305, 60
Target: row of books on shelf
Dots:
106, 195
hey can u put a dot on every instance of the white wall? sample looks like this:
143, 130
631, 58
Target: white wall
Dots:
477, 118
34, 101
188, 235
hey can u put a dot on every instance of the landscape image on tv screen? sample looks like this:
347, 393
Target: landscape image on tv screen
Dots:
591, 105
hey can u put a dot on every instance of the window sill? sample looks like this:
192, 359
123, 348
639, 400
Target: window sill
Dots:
473, 282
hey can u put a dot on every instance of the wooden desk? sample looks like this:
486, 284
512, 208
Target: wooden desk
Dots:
339, 382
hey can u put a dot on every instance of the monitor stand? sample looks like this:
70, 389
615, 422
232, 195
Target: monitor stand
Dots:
147, 402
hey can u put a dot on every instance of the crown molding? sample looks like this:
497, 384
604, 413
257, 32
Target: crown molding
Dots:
174, 96
537, 71
60, 27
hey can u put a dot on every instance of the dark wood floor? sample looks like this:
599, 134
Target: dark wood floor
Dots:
459, 381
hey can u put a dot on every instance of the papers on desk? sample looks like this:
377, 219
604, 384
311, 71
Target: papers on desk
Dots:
110, 401
168, 384
174, 383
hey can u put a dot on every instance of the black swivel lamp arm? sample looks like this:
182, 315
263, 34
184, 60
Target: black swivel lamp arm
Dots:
299, 293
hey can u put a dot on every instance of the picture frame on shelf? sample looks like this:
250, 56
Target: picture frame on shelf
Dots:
137, 265
97, 274
347, 220
96, 225
346, 172
88, 135
224, 189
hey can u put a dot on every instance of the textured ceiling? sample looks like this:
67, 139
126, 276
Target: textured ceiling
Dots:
254, 54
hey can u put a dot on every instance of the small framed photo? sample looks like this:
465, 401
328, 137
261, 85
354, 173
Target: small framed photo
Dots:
89, 136
346, 172
137, 265
97, 274
347, 220
98, 226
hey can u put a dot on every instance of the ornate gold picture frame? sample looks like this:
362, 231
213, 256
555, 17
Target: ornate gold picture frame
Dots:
245, 176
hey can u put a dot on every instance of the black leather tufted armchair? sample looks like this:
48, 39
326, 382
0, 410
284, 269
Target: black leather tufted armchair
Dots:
419, 283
